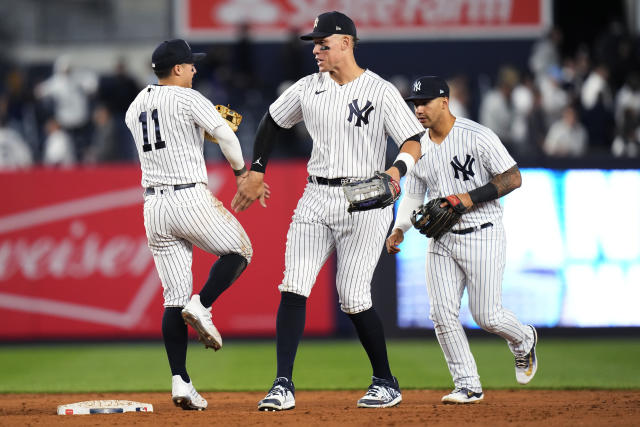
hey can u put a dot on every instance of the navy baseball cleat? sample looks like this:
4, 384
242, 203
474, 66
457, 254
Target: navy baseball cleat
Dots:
280, 397
527, 365
463, 395
381, 394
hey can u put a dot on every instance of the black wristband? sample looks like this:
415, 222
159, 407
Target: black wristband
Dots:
239, 172
402, 167
484, 194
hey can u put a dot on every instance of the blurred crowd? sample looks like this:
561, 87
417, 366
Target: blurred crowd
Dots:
563, 104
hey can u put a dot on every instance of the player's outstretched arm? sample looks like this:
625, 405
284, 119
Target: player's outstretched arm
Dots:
501, 185
409, 154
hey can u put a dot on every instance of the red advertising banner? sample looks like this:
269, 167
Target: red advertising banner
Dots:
74, 261
271, 20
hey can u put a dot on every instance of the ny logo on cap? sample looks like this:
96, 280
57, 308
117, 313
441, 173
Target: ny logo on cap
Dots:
441, 91
315, 23
416, 86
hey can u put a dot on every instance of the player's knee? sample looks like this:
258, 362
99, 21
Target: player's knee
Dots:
355, 308
247, 253
490, 322
443, 317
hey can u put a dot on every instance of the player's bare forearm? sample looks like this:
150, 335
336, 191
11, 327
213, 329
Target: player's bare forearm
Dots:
249, 189
395, 238
507, 181
499, 186
411, 147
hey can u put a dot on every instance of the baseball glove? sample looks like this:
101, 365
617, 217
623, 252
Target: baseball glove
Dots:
433, 220
379, 191
232, 117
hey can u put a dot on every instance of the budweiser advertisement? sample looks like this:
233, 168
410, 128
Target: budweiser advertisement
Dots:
74, 261
272, 20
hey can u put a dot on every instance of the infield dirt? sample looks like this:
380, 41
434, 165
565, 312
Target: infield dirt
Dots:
419, 407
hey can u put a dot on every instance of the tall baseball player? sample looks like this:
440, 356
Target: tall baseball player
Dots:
466, 162
349, 112
168, 122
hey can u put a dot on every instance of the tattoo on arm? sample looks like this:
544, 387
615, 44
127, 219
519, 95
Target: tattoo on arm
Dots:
507, 181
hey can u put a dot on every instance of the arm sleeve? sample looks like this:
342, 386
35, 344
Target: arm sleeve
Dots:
230, 146
408, 204
287, 109
413, 197
399, 121
264, 142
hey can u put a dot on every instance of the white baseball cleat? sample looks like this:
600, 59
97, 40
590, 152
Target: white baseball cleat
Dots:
185, 395
527, 365
281, 396
199, 317
463, 395
381, 394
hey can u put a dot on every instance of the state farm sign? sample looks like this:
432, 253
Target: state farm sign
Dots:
375, 19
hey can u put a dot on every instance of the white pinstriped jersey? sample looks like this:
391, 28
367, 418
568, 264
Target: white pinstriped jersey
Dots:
168, 125
469, 157
349, 123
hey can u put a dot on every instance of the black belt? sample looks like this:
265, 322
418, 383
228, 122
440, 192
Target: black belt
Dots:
333, 182
150, 190
472, 229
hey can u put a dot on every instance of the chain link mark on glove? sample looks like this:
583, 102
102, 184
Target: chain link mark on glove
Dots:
232, 117
433, 221
379, 191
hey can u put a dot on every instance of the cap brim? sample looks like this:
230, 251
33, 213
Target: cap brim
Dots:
198, 56
414, 97
315, 35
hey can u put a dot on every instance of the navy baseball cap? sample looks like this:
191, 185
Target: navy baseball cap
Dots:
172, 52
329, 23
428, 87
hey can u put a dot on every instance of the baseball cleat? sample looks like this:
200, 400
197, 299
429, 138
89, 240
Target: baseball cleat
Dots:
185, 395
463, 395
199, 318
281, 396
381, 394
527, 365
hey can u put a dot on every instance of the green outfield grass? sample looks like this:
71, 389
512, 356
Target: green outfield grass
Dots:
250, 365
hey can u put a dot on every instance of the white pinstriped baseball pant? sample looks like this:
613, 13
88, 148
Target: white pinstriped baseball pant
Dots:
475, 261
320, 225
177, 220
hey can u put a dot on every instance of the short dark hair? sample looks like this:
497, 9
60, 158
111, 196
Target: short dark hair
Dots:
163, 74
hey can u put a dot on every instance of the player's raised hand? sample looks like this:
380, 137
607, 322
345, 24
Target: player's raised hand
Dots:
395, 238
250, 189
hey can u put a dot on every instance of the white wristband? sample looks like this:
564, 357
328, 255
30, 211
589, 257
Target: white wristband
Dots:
407, 159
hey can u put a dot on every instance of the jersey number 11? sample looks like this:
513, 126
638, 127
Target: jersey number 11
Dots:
159, 142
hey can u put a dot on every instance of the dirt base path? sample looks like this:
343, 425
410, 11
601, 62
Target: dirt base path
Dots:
419, 407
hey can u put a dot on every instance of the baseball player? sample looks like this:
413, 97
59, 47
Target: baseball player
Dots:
349, 112
467, 161
168, 121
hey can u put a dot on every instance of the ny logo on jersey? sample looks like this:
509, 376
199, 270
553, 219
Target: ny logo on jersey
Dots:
361, 113
466, 169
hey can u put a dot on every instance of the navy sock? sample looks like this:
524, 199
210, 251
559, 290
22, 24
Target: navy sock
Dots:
223, 273
289, 329
371, 334
174, 334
